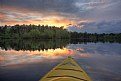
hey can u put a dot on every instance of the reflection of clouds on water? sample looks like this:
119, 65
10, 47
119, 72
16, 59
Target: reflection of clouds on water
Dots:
11, 57
104, 68
98, 48
75, 50
15, 57
102, 61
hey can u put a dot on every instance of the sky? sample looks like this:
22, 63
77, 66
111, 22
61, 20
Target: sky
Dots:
101, 16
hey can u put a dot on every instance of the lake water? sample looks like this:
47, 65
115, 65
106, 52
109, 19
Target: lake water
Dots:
29, 60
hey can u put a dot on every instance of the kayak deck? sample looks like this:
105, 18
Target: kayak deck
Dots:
68, 70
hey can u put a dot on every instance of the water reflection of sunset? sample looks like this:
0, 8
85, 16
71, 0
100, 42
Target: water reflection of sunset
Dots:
56, 52
49, 52
89, 56
17, 57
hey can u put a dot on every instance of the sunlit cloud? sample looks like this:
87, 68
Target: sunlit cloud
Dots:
58, 12
12, 16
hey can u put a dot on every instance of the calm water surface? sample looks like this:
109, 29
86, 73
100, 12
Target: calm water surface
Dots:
102, 61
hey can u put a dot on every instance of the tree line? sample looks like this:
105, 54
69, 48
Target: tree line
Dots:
52, 32
111, 37
33, 31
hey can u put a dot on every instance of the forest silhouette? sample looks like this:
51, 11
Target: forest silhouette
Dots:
51, 32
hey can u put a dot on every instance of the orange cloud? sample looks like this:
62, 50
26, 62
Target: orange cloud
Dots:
15, 15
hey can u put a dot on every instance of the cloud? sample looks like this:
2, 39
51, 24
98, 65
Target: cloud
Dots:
12, 16
80, 9
99, 10
71, 11
60, 6
98, 27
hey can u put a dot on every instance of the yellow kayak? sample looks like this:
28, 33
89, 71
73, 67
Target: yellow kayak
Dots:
68, 70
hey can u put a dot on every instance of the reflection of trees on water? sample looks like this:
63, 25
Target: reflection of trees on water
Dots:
85, 41
32, 45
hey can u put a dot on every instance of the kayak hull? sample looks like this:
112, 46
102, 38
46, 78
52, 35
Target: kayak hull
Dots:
68, 70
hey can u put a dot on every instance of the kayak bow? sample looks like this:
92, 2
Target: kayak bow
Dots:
68, 70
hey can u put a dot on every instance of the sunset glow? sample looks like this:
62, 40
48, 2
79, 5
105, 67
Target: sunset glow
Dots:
11, 15
75, 15
15, 15
54, 39
33, 56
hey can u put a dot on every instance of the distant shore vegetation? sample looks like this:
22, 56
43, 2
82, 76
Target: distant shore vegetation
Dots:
34, 31
51, 32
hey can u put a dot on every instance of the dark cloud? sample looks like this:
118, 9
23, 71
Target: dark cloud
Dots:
80, 9
66, 6
72, 10
99, 10
98, 27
